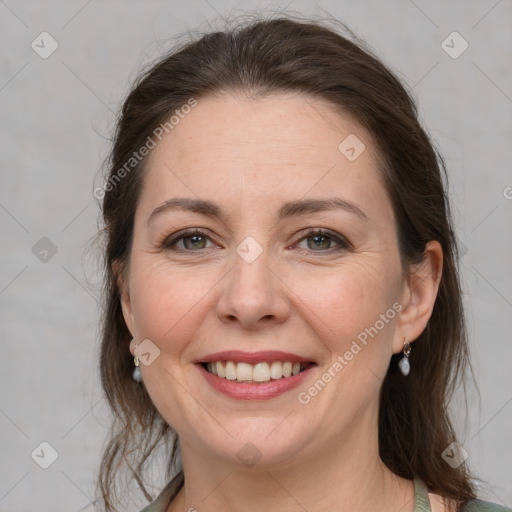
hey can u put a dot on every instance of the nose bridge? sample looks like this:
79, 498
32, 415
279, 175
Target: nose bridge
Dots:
252, 293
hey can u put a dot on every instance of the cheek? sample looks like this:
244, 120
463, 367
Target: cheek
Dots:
166, 301
346, 300
165, 304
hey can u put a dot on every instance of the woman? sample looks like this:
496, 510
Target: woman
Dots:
281, 282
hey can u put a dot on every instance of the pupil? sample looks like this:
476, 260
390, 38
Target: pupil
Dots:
194, 239
318, 243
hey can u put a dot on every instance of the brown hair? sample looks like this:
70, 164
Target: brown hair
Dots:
307, 57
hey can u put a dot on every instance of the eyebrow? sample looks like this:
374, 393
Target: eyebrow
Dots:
287, 210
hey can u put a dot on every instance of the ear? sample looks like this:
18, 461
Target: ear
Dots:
124, 293
419, 295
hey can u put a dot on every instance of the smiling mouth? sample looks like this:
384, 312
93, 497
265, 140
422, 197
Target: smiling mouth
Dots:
255, 373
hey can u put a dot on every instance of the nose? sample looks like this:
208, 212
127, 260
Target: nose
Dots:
253, 296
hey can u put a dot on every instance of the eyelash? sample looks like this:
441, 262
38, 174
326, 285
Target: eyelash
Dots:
340, 240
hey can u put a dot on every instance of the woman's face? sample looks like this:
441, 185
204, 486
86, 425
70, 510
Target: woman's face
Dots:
260, 284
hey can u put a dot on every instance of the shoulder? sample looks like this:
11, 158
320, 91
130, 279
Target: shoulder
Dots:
168, 493
438, 505
483, 506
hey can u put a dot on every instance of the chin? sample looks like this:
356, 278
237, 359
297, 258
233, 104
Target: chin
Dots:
267, 441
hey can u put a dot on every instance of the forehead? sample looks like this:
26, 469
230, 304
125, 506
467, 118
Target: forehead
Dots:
253, 150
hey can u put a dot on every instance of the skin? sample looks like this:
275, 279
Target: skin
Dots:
250, 156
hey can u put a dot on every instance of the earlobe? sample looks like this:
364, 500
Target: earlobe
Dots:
419, 295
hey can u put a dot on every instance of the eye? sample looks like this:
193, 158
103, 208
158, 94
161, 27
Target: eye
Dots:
321, 240
192, 240
317, 240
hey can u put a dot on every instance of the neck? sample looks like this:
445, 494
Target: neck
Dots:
345, 476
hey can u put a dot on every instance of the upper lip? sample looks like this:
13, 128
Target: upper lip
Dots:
238, 356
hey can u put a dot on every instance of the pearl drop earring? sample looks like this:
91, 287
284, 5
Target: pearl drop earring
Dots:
403, 364
136, 375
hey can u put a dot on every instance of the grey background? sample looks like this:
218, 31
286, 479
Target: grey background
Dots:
56, 117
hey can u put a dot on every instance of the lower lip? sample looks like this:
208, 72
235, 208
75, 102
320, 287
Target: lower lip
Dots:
243, 391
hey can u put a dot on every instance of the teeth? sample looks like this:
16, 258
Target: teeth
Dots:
231, 370
220, 370
260, 372
243, 372
276, 370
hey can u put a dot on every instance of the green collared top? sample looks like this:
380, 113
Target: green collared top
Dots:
421, 501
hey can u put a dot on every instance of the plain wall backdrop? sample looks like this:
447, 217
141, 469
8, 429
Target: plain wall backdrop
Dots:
57, 112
